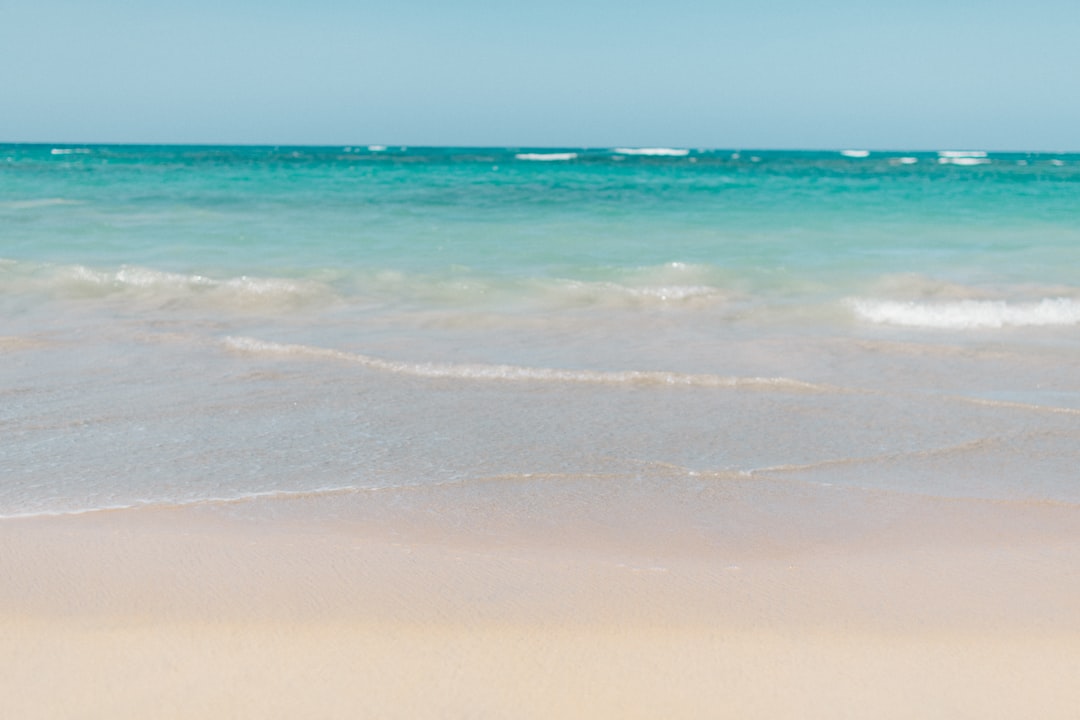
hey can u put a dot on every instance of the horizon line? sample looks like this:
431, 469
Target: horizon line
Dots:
382, 147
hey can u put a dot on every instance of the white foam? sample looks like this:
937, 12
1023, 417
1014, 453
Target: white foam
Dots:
655, 151
969, 314
264, 286
147, 278
855, 153
376, 148
140, 283
546, 157
675, 292
653, 288
1057, 163
70, 151
907, 160
963, 160
511, 373
962, 153
134, 277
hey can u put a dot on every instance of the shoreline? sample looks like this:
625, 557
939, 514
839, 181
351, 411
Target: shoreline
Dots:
290, 608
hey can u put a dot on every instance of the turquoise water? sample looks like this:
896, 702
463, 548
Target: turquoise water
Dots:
287, 211
183, 324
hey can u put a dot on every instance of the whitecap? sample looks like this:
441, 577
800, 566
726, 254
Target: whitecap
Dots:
547, 157
653, 151
963, 161
969, 314
376, 148
962, 153
855, 153
70, 151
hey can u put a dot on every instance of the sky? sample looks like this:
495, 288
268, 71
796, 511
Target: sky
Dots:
904, 74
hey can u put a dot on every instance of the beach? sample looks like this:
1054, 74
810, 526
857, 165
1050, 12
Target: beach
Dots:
538, 432
949, 611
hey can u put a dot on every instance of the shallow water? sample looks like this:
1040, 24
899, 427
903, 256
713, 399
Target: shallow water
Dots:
200, 324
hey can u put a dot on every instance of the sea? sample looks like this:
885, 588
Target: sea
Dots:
185, 325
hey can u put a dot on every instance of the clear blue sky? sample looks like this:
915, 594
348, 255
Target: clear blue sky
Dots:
906, 74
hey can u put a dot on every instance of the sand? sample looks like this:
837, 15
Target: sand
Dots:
374, 607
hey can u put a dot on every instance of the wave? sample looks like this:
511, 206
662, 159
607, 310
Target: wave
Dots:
967, 161
139, 278
855, 153
653, 151
135, 277
519, 373
672, 287
952, 154
963, 157
969, 314
547, 157
672, 292
147, 283
662, 285
631, 295
37, 203
632, 291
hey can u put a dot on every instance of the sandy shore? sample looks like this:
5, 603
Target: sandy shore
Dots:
382, 609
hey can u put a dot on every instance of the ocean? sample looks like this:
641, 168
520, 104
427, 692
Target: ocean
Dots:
207, 325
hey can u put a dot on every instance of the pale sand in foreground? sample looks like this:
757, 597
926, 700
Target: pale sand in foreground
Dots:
944, 610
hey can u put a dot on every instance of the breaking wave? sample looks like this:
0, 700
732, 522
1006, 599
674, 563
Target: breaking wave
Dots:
547, 157
141, 283
962, 153
139, 278
970, 314
963, 157
653, 151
